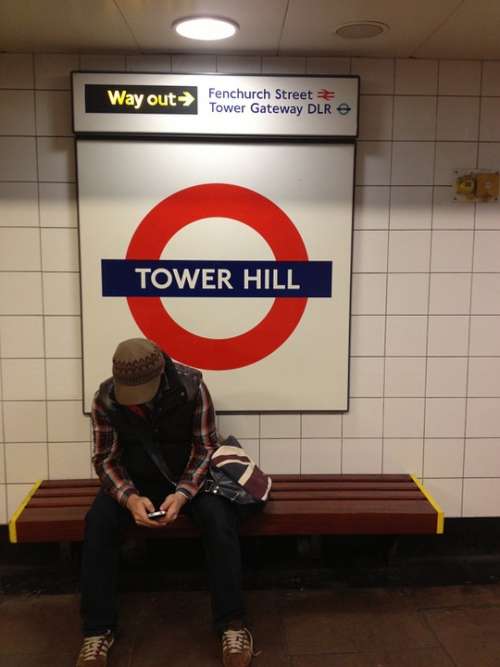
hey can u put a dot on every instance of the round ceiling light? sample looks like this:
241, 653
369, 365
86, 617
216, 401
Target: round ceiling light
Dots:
361, 29
206, 28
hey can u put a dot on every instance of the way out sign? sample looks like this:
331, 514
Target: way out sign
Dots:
232, 252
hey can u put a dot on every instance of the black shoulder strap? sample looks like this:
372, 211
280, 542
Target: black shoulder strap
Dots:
154, 451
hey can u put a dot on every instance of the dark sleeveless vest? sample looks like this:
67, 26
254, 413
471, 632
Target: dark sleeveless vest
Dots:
169, 425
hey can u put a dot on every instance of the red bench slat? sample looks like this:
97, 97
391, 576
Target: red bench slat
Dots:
304, 495
352, 486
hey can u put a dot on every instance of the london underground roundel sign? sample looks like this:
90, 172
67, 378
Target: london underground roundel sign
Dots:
245, 206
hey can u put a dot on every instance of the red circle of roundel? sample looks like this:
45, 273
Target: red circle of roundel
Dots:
206, 201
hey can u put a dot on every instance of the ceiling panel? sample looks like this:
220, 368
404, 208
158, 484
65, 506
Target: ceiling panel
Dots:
260, 24
458, 29
63, 26
310, 25
472, 32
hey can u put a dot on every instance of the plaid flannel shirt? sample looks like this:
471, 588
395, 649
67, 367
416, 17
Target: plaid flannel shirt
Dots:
107, 451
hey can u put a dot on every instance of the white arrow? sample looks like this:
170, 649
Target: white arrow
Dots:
187, 98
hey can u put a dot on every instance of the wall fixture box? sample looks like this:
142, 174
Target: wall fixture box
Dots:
475, 185
487, 186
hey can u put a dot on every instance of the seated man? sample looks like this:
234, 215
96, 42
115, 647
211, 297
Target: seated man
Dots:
154, 432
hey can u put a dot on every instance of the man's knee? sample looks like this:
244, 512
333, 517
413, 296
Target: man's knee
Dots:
104, 517
214, 515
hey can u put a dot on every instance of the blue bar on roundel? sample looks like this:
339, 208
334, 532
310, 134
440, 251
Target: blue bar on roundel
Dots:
216, 278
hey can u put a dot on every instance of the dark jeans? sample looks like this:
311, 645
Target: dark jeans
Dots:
105, 524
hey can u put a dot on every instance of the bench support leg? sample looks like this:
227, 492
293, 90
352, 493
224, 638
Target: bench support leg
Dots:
65, 553
68, 557
392, 551
309, 547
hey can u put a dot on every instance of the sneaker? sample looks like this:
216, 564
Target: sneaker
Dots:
237, 648
94, 651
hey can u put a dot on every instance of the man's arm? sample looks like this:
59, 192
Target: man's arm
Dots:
106, 458
204, 443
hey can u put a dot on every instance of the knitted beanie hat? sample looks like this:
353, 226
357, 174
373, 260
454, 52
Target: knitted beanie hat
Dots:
137, 368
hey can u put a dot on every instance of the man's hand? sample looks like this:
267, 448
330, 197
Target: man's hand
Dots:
172, 505
139, 506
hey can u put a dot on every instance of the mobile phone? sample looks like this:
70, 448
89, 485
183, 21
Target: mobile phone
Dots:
156, 515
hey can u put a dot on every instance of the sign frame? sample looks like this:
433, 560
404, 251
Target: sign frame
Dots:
79, 117
267, 138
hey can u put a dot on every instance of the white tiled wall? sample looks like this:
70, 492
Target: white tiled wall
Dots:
425, 336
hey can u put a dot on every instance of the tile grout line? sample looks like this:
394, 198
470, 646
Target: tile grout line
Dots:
42, 286
427, 623
260, 413
350, 329
350, 326
90, 438
355, 273
428, 317
300, 443
312, 437
389, 203
4, 453
471, 289
434, 477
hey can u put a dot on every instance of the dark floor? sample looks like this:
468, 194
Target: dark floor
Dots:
343, 627
361, 601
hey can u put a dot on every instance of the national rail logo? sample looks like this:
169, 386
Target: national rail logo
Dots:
143, 278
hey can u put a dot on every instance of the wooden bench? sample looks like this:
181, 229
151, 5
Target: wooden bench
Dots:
54, 510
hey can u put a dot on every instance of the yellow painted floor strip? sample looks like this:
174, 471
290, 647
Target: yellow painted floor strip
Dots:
437, 507
19, 511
